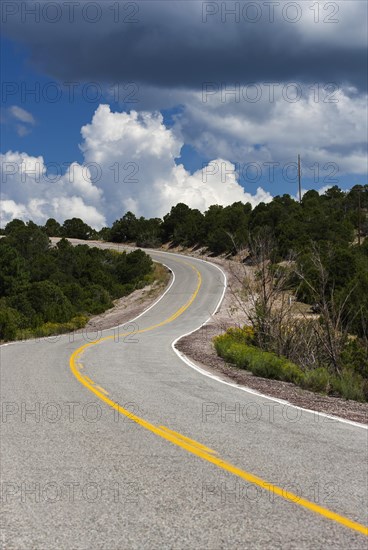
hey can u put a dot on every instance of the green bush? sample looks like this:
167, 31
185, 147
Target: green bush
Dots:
260, 363
244, 335
9, 323
232, 347
349, 385
95, 300
292, 372
316, 380
355, 357
79, 321
52, 329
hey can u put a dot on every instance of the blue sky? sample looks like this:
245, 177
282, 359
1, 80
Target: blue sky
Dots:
156, 69
66, 114
65, 117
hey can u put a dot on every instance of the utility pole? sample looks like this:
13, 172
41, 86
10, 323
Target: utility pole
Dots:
359, 214
299, 180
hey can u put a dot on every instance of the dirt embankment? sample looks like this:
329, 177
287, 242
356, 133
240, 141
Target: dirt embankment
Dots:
129, 307
199, 347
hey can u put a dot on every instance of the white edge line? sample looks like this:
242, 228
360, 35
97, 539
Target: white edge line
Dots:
117, 326
197, 368
154, 303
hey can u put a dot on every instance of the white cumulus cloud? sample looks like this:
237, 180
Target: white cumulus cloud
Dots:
29, 193
129, 164
136, 154
129, 158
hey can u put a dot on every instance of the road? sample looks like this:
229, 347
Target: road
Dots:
119, 444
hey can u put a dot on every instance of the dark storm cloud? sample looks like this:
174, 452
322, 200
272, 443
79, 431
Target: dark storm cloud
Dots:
183, 44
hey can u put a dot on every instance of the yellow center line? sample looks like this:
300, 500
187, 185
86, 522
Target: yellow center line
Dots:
102, 389
194, 447
191, 442
174, 316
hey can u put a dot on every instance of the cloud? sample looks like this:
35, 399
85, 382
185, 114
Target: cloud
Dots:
129, 164
22, 130
147, 45
131, 159
147, 42
28, 192
324, 128
25, 118
22, 115
136, 154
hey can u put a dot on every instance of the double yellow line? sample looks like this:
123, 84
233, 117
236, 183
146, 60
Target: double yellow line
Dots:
191, 445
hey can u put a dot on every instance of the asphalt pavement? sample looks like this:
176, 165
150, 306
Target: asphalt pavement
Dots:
111, 441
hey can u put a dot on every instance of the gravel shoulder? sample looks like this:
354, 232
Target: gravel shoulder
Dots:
199, 348
127, 308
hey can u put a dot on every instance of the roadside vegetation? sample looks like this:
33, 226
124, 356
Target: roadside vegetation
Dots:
238, 347
304, 283
48, 290
324, 347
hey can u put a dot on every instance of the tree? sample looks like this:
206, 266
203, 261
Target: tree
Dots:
217, 237
188, 231
131, 267
125, 229
52, 228
9, 323
178, 215
13, 269
333, 329
29, 240
49, 302
75, 228
105, 234
41, 284
149, 232
265, 289
13, 226
236, 221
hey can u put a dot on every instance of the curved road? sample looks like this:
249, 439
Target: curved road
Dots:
118, 444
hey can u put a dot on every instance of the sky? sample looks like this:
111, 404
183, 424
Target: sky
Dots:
113, 106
